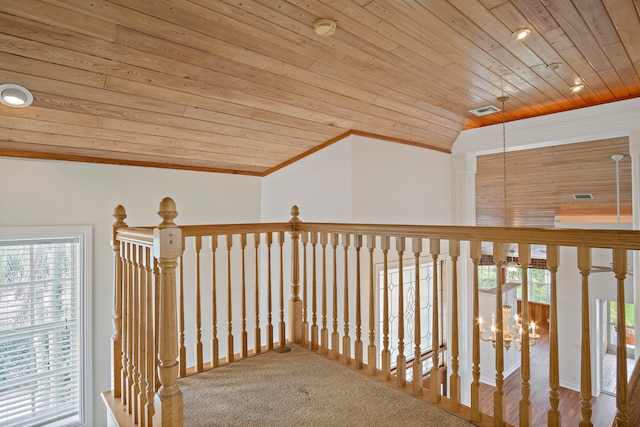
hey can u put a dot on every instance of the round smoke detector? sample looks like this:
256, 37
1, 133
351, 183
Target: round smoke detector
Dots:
324, 27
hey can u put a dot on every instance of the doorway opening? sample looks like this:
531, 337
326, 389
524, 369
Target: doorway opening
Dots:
609, 370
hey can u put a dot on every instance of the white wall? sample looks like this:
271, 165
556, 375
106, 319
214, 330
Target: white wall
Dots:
320, 185
37, 193
395, 183
362, 179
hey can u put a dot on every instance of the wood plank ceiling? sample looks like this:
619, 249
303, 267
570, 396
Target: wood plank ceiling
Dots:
541, 183
247, 86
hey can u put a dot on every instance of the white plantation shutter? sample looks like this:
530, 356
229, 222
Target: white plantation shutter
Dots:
42, 354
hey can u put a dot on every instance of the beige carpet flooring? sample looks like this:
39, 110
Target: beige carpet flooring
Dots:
301, 388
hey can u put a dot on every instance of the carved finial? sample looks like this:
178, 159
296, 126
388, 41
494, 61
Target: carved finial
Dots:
167, 212
295, 212
119, 214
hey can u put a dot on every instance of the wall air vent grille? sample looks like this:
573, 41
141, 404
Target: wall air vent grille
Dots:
483, 111
582, 196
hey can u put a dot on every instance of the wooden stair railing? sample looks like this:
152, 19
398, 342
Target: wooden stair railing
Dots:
162, 274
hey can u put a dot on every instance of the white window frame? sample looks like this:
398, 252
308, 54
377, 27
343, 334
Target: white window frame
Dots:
84, 234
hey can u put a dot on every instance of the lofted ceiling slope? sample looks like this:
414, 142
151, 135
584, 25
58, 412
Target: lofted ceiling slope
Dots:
247, 86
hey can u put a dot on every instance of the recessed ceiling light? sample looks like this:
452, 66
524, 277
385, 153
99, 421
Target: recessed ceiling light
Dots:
325, 27
576, 88
521, 34
15, 96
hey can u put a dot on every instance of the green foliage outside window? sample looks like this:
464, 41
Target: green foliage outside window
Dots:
628, 314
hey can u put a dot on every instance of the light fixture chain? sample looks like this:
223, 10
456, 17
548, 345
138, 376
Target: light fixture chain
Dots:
504, 158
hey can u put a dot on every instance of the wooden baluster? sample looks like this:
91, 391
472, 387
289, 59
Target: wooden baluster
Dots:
358, 349
281, 324
584, 265
401, 360
622, 388
142, 335
304, 237
230, 344
416, 246
156, 321
371, 350
140, 302
257, 343
149, 355
499, 409
454, 379
269, 295
346, 340
386, 354
215, 346
124, 247
182, 358
135, 332
476, 412
198, 344
168, 247
245, 339
553, 261
314, 295
324, 332
129, 321
295, 303
119, 214
149, 338
434, 247
524, 257
335, 335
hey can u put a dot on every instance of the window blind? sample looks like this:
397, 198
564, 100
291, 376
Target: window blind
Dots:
40, 375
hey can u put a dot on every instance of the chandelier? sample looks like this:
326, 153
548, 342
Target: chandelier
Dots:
509, 336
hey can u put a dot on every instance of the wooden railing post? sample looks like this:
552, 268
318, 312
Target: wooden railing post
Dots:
584, 265
295, 303
314, 293
622, 388
524, 256
119, 214
553, 261
372, 357
416, 247
386, 353
499, 408
346, 339
434, 249
358, 346
454, 379
167, 245
476, 413
401, 359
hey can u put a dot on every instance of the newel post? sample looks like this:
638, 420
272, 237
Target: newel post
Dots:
295, 303
119, 214
167, 247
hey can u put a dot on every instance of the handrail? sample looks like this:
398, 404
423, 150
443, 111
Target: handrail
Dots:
138, 236
623, 239
222, 229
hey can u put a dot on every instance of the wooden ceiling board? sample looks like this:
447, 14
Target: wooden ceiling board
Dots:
541, 183
247, 86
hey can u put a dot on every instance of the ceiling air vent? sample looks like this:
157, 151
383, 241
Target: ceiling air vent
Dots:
582, 196
483, 111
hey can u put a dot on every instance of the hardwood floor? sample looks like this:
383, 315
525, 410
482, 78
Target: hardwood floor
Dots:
603, 407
